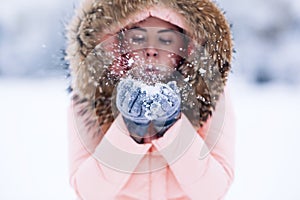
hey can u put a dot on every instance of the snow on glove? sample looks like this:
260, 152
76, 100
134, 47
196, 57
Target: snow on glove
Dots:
169, 101
141, 104
130, 102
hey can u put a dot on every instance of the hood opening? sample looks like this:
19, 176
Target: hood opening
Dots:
92, 38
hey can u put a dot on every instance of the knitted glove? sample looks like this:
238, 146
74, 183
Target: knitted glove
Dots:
130, 103
141, 104
170, 104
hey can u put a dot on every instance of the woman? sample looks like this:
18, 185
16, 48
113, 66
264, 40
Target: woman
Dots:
187, 152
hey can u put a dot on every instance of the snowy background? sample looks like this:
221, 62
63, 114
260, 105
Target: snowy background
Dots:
265, 90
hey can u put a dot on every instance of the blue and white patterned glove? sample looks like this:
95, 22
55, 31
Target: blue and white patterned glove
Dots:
130, 100
170, 105
141, 104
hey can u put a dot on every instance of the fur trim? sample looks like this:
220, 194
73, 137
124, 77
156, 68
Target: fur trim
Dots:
95, 19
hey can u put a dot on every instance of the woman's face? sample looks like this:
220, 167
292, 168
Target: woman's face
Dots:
155, 43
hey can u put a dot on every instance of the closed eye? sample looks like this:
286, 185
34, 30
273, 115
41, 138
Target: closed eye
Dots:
137, 39
165, 41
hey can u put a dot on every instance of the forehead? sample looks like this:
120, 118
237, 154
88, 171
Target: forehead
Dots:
156, 22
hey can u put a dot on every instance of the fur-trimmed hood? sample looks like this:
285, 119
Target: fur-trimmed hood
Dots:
95, 20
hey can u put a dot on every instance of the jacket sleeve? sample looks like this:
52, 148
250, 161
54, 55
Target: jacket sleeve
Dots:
202, 165
98, 174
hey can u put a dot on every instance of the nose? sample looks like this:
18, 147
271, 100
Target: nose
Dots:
151, 52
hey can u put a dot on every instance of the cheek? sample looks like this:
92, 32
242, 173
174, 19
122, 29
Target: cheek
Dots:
173, 59
134, 54
132, 59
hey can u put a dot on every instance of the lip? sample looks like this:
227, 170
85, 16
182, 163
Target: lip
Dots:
152, 70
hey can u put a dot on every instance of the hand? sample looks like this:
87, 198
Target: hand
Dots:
141, 104
170, 104
130, 102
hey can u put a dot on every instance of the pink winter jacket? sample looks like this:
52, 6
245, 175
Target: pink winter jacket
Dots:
171, 167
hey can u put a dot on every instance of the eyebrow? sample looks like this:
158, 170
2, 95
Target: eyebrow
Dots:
138, 28
145, 30
166, 30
